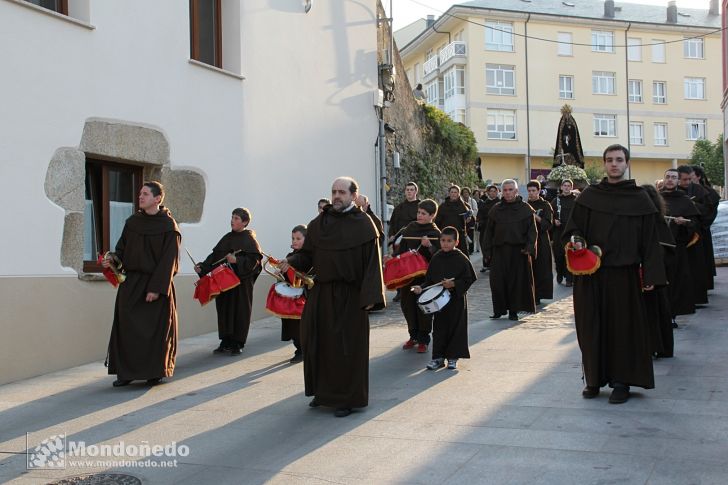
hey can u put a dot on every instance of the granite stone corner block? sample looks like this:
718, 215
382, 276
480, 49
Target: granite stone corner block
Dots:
185, 194
123, 140
65, 179
72, 245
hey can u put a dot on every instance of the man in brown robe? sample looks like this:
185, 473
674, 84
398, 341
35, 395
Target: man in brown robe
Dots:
485, 204
455, 212
701, 268
611, 322
240, 250
543, 275
562, 206
143, 343
510, 246
684, 222
342, 246
405, 212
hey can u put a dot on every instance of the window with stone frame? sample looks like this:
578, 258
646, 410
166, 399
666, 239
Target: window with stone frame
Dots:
111, 197
59, 6
206, 31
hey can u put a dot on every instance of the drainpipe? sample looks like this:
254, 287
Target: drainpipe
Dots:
528, 105
626, 70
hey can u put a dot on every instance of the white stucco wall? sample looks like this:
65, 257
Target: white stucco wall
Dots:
272, 142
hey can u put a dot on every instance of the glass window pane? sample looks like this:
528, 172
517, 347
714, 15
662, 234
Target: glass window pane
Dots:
92, 220
206, 29
121, 202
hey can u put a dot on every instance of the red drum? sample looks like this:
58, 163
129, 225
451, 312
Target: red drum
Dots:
402, 269
206, 289
285, 301
225, 277
217, 281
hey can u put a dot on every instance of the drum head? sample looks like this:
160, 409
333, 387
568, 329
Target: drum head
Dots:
284, 289
430, 294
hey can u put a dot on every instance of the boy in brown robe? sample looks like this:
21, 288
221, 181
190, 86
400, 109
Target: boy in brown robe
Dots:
453, 269
241, 252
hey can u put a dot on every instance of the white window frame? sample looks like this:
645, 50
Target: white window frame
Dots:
694, 88
636, 133
501, 120
602, 41
565, 44
635, 90
418, 73
634, 49
657, 97
658, 51
695, 129
454, 80
604, 83
566, 86
660, 132
694, 48
458, 115
501, 75
499, 36
432, 94
605, 126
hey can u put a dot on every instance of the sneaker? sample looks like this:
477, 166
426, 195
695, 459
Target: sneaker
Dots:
436, 364
121, 383
223, 348
409, 344
342, 412
513, 316
236, 350
452, 363
421, 348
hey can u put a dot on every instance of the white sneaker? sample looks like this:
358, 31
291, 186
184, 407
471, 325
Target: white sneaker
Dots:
436, 364
452, 363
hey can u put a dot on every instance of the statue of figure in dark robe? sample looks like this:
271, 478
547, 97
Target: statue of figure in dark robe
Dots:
568, 148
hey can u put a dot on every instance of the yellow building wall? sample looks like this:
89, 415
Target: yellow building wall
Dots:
544, 68
498, 168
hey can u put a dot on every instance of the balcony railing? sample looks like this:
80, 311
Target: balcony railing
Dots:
451, 50
430, 65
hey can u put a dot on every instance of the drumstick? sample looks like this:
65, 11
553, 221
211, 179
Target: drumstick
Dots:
436, 284
415, 238
193, 259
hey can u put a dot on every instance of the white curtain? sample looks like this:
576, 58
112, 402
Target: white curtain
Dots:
119, 212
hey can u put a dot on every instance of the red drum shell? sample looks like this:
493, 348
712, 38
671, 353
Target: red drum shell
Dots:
206, 289
225, 277
284, 306
402, 269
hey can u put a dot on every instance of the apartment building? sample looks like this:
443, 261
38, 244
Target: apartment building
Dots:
646, 76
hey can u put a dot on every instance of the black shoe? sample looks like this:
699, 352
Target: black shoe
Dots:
342, 412
121, 383
154, 382
559, 279
513, 316
237, 350
590, 392
314, 403
297, 357
398, 296
223, 348
495, 316
620, 394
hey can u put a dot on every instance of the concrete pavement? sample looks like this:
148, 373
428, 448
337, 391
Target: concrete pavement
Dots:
511, 414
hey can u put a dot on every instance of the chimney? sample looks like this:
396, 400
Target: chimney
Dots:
714, 7
609, 9
430, 21
672, 12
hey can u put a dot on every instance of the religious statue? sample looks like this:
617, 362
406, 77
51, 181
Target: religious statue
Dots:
568, 148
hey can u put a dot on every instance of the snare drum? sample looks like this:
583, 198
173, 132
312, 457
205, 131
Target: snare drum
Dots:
433, 299
224, 277
206, 289
403, 268
285, 301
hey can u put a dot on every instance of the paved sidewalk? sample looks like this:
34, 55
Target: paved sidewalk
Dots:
511, 414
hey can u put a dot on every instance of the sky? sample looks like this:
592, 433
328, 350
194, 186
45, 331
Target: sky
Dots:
407, 11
